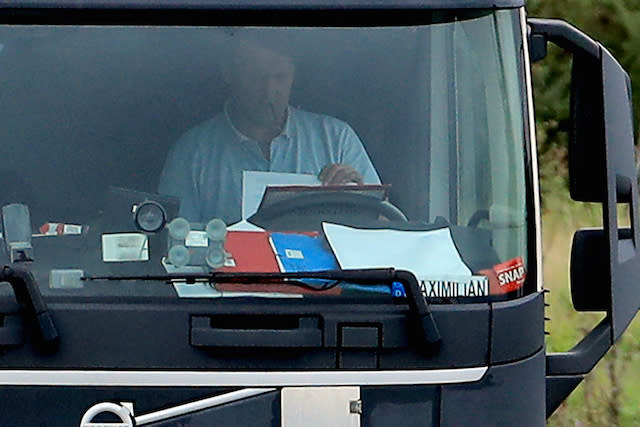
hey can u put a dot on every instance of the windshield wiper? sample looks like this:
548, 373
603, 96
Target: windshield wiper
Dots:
427, 333
27, 293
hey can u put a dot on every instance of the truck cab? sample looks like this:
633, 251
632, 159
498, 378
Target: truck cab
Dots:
171, 260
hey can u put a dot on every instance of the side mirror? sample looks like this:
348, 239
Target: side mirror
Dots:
602, 169
605, 263
601, 137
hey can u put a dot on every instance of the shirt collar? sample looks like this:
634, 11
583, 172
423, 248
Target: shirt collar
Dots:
287, 129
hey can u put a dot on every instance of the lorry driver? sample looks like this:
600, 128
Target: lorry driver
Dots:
258, 130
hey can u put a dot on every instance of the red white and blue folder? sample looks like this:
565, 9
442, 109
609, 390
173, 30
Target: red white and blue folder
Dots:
264, 252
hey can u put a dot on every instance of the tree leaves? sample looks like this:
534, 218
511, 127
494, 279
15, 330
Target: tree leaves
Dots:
614, 23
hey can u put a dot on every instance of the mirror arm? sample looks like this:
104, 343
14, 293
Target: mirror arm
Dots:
582, 358
564, 35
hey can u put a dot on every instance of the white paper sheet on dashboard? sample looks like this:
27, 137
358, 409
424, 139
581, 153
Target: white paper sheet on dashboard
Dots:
254, 184
204, 290
428, 254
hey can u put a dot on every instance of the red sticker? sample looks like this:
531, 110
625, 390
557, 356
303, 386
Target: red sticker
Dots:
506, 277
60, 229
51, 228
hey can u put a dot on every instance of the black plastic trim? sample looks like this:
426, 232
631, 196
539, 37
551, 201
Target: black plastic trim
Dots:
261, 4
157, 335
517, 328
307, 335
558, 388
251, 15
511, 394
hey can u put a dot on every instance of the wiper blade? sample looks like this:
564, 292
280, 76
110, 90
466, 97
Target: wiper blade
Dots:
427, 331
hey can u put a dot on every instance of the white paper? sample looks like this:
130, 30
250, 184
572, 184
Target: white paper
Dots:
185, 269
244, 225
196, 239
427, 254
125, 247
254, 184
204, 290
196, 290
66, 279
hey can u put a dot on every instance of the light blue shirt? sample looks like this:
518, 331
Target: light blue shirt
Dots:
204, 167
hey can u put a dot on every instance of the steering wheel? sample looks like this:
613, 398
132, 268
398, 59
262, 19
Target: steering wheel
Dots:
308, 211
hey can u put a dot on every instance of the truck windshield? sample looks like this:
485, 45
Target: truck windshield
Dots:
150, 150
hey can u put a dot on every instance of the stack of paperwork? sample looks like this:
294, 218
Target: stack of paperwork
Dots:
430, 255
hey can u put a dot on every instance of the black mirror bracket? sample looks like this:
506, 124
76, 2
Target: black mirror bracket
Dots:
562, 34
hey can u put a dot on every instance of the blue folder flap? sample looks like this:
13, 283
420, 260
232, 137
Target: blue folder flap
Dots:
302, 252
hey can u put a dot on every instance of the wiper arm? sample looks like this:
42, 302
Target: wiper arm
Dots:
422, 318
28, 295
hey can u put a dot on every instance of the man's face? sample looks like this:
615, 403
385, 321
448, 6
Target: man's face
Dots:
261, 84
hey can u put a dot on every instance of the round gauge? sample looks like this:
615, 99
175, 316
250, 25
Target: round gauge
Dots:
150, 216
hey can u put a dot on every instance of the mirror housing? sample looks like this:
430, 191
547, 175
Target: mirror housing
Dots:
589, 270
601, 135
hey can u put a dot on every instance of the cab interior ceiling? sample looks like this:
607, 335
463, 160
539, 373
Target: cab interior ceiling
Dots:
81, 110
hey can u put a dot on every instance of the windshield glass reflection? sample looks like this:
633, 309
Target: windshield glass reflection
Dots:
142, 150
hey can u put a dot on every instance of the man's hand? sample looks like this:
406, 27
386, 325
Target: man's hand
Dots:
338, 173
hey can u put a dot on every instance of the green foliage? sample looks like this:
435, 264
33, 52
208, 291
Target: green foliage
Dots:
615, 24
610, 395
